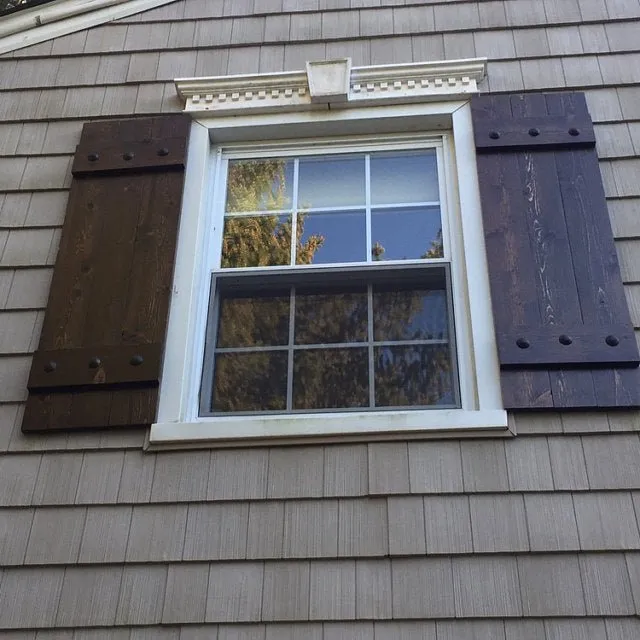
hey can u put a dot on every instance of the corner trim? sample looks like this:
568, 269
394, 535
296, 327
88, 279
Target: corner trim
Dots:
45, 22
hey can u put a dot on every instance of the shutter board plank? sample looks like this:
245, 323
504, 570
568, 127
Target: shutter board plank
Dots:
578, 285
112, 282
506, 238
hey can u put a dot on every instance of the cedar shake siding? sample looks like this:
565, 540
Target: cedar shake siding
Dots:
533, 537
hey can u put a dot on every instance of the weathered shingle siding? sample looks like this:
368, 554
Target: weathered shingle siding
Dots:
535, 537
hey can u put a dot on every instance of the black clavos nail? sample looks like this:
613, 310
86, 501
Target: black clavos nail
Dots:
136, 360
523, 343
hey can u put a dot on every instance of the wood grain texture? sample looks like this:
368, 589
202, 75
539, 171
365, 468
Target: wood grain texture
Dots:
556, 287
112, 281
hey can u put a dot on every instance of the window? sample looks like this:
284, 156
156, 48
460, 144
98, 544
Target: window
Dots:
356, 313
330, 278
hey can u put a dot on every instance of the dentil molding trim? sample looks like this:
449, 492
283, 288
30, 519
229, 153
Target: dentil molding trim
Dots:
332, 84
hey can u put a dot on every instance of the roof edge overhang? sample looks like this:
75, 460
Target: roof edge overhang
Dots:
45, 22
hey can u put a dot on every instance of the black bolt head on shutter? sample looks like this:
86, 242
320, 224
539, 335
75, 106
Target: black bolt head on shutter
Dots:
565, 339
100, 353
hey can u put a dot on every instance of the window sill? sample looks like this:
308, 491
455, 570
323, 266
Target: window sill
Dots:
329, 427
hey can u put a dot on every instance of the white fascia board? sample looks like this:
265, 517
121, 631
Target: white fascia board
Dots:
39, 24
293, 91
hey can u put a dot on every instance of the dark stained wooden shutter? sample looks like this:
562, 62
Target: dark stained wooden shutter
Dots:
100, 353
564, 335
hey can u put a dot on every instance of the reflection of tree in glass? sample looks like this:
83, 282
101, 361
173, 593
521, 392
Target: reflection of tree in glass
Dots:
265, 240
258, 241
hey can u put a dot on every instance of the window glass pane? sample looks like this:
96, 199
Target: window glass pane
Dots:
330, 378
410, 314
256, 241
404, 177
334, 181
406, 234
256, 321
255, 381
326, 238
416, 375
326, 318
257, 185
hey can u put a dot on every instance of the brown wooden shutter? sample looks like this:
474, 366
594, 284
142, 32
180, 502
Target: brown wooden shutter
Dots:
98, 363
564, 335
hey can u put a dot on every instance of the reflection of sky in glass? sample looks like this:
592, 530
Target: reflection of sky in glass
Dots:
404, 177
335, 181
258, 185
411, 314
344, 236
406, 234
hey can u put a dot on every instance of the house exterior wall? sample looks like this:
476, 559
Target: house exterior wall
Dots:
533, 537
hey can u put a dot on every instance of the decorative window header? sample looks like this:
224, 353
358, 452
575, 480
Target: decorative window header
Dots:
332, 84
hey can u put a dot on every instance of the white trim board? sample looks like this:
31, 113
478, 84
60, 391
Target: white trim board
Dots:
39, 24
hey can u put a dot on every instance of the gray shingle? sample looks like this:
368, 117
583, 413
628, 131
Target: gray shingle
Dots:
137, 476
105, 534
422, 588
332, 593
606, 521
29, 289
100, 477
154, 633
405, 630
141, 595
58, 478
458, 46
348, 631
29, 597
552, 522
180, 476
524, 629
55, 536
607, 589
235, 591
528, 464
216, 531
391, 50
568, 464
241, 632
406, 526
340, 24
345, 470
17, 331
15, 525
633, 566
238, 474
612, 461
373, 589
266, 530
310, 529
295, 472
564, 41
185, 599
499, 596
574, 629
470, 630
28, 248
622, 629
157, 533
447, 524
89, 596
498, 523
388, 468
435, 467
311, 631
18, 475
551, 585
449, 17
363, 527
484, 465
286, 591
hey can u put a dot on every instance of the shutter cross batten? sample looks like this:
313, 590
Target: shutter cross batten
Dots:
564, 335
99, 358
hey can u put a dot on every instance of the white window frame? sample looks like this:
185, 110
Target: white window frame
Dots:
178, 422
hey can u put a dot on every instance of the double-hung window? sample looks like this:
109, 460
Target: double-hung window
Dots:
332, 284
330, 273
